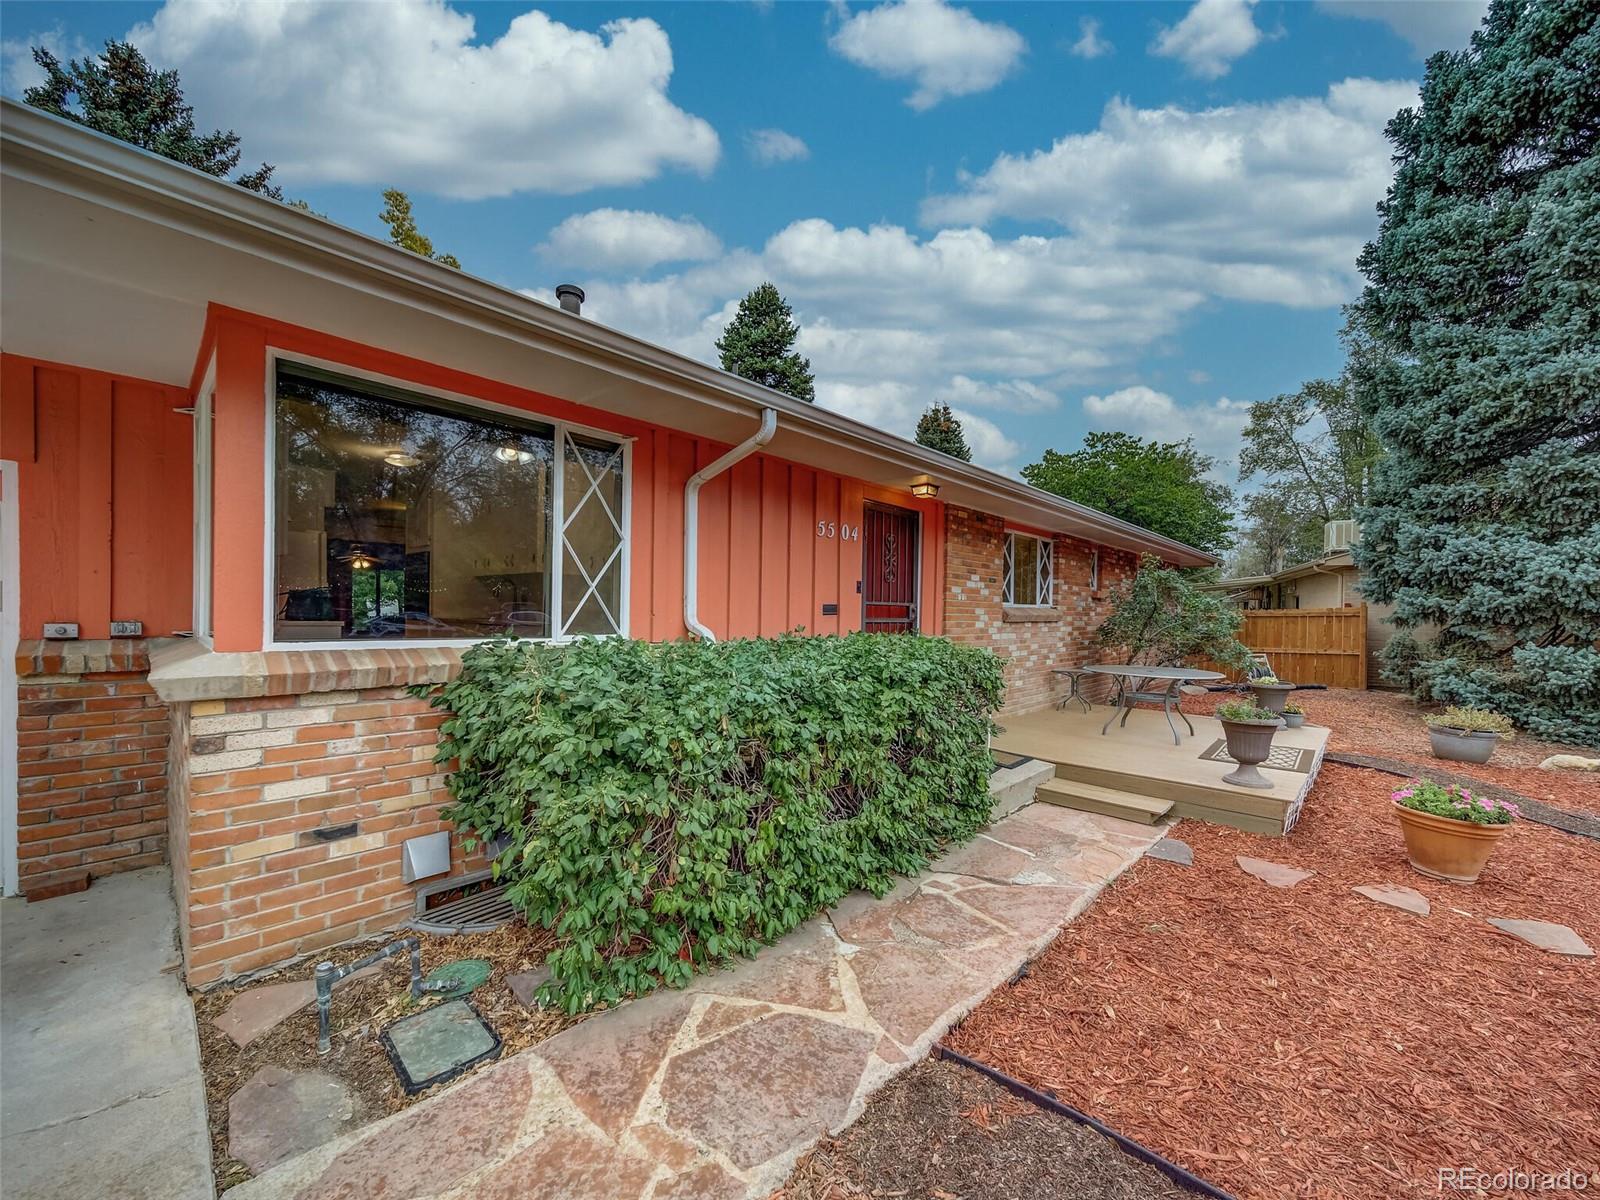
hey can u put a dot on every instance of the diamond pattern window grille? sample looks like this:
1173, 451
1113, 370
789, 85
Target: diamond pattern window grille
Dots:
591, 536
1027, 571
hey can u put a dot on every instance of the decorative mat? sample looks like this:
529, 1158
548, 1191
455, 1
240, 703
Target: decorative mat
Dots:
1282, 758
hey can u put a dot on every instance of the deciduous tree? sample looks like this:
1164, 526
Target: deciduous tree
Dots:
403, 231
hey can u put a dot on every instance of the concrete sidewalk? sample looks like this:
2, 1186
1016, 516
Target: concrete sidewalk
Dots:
712, 1093
100, 1086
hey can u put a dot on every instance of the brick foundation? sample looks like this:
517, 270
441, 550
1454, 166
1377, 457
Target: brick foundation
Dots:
1031, 640
92, 745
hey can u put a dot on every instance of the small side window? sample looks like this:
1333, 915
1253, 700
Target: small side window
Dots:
1094, 570
1028, 569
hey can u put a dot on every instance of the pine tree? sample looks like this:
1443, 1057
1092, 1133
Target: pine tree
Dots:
1483, 519
938, 429
403, 231
121, 95
759, 344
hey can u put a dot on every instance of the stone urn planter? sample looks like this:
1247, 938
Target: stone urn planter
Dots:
1249, 730
1271, 694
1466, 734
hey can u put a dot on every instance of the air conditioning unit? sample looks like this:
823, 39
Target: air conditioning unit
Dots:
1340, 535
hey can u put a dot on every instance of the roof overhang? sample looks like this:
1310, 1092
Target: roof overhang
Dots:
112, 256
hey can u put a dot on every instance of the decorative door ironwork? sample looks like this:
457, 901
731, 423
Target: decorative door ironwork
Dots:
889, 549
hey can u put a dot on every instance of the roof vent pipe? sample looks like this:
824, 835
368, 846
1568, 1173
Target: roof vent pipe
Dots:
691, 518
570, 297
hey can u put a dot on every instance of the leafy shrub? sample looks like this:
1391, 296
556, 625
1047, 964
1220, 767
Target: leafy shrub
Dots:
1268, 681
1454, 802
1244, 710
1291, 707
1161, 619
669, 806
1471, 720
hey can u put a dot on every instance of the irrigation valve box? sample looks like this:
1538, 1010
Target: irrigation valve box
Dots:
422, 857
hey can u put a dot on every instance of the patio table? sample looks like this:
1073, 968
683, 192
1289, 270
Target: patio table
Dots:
1136, 683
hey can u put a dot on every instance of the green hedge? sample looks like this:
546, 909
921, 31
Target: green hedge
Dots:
670, 806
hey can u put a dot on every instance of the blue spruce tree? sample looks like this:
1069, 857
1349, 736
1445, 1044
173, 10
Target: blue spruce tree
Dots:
1483, 521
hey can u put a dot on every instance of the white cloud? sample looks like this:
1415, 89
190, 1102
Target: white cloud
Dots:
1210, 37
18, 71
1428, 25
1266, 202
1008, 395
610, 239
1090, 44
1140, 410
402, 93
945, 51
769, 146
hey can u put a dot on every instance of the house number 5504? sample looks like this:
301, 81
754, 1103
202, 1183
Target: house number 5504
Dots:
830, 529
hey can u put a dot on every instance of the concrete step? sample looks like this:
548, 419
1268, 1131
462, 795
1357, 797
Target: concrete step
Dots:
1110, 802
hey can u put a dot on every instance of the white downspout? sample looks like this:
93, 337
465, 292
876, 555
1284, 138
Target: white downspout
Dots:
691, 518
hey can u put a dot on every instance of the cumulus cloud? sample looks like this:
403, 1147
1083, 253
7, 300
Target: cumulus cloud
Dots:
1428, 25
611, 239
1210, 37
18, 71
404, 93
944, 51
769, 146
1265, 202
1008, 395
1090, 44
1215, 427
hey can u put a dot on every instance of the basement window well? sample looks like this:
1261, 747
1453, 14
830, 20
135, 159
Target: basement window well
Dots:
404, 517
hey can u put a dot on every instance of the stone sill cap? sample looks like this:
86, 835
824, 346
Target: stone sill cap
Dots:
187, 670
1019, 613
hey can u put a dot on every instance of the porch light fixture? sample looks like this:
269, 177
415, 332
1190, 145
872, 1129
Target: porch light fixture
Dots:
924, 488
362, 561
510, 454
399, 458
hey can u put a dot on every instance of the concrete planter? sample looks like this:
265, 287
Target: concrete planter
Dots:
1462, 745
1444, 848
1294, 720
1249, 743
1272, 696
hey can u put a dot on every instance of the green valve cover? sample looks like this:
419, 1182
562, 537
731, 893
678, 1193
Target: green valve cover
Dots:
463, 975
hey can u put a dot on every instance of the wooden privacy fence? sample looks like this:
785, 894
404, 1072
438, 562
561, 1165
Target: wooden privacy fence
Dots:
1311, 645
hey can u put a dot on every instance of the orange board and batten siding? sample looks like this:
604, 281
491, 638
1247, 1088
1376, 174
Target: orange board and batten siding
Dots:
107, 518
104, 496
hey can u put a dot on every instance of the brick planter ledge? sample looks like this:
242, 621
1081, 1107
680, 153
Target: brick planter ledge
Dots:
188, 671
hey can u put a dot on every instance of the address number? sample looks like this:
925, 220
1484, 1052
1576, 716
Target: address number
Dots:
832, 529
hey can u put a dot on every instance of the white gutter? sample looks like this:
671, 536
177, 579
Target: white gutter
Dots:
691, 518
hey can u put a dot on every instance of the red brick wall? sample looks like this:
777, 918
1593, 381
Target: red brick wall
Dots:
258, 776
1031, 640
92, 761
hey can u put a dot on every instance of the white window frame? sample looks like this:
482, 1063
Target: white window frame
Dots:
1094, 569
203, 441
1045, 579
558, 522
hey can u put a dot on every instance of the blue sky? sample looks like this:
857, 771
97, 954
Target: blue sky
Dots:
1056, 217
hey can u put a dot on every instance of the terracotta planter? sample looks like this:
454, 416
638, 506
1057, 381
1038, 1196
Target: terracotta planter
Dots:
1462, 745
1272, 696
1446, 848
1249, 743
1294, 720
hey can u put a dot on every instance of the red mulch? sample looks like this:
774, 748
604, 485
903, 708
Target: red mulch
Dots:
1307, 1042
1389, 724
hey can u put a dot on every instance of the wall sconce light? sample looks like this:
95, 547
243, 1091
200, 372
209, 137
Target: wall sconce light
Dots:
924, 488
399, 458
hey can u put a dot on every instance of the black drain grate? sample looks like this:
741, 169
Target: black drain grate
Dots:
477, 913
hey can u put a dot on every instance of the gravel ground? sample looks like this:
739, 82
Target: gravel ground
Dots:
942, 1132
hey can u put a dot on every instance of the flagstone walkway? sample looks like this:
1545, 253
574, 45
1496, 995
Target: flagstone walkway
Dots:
711, 1093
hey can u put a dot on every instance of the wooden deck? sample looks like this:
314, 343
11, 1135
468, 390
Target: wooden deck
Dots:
1135, 772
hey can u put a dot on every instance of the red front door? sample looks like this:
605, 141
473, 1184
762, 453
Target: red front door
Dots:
889, 576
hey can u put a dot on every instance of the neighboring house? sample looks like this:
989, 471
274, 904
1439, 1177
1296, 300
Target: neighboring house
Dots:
308, 468
1330, 581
